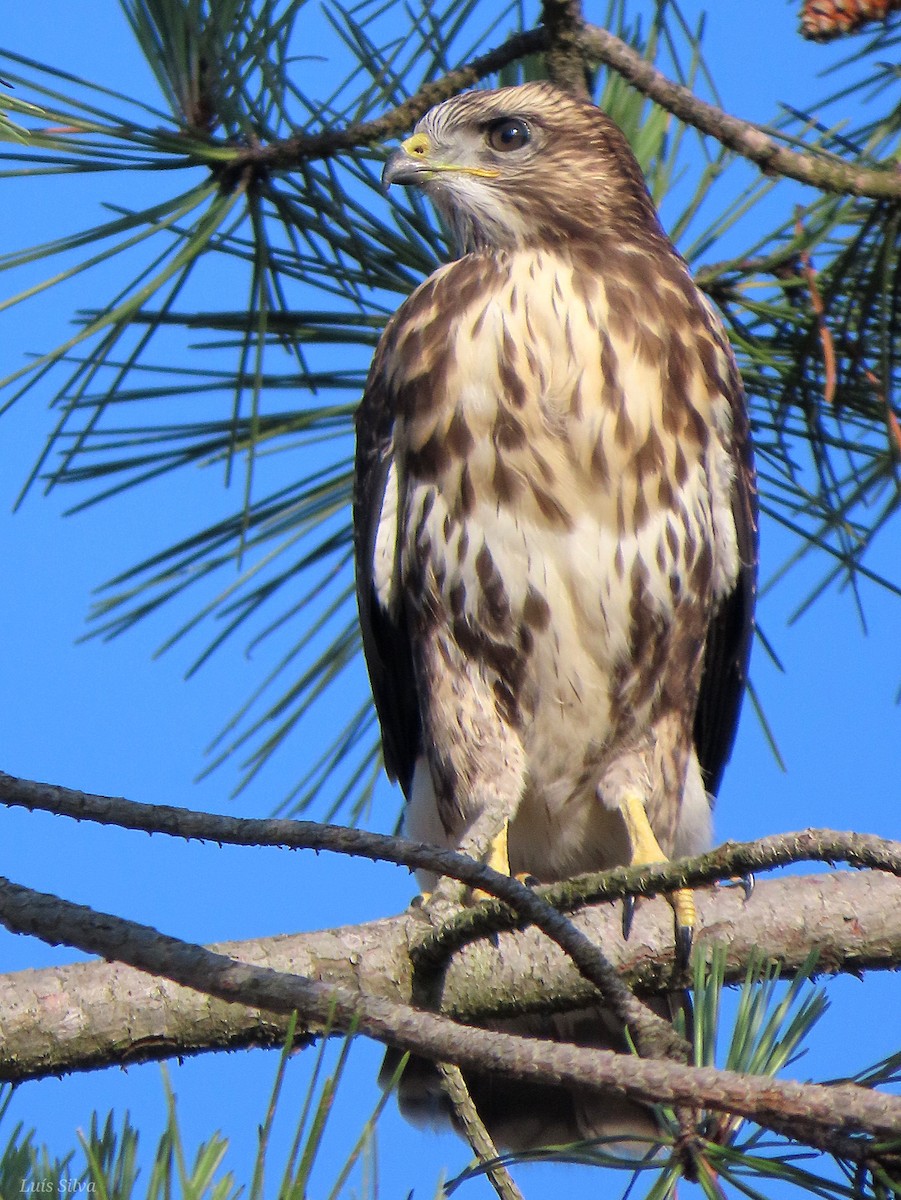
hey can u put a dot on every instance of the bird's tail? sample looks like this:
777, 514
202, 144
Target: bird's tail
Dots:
521, 1115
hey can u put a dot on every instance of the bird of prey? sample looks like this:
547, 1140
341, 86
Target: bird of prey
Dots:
555, 520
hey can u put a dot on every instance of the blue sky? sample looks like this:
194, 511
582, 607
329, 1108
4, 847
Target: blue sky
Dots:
106, 717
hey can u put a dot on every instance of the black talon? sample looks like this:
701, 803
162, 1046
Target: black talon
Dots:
684, 938
746, 882
628, 915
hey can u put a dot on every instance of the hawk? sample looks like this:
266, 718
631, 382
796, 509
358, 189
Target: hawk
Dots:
555, 522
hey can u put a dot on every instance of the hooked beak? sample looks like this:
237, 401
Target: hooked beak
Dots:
412, 164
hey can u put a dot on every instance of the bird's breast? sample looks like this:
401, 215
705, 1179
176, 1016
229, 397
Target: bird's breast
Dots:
561, 488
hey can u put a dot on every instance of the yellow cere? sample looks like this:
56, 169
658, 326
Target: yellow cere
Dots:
418, 146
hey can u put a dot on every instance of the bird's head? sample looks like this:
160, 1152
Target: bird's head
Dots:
524, 166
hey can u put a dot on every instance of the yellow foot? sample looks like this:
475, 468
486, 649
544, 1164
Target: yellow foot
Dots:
644, 848
496, 858
449, 890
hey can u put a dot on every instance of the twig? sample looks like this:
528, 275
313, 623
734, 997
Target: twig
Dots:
288, 153
737, 858
819, 310
824, 171
824, 1110
895, 428
476, 1134
817, 168
726, 861
731, 858
891, 420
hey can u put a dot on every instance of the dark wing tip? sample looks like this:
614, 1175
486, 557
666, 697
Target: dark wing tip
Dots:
730, 635
386, 641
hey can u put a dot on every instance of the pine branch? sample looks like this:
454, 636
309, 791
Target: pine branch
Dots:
288, 153
822, 1111
454, 1086
653, 1036
821, 170
724, 862
89, 1015
565, 53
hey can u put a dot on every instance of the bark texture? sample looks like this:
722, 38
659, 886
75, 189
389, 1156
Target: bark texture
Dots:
96, 1014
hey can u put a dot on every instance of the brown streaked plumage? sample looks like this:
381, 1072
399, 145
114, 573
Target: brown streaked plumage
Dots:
555, 527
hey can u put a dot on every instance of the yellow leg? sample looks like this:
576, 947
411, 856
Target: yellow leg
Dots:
644, 848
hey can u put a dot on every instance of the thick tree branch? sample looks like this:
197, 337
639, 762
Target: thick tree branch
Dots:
823, 1110
90, 1015
565, 54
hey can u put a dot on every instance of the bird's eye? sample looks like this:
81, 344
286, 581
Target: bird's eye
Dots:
509, 133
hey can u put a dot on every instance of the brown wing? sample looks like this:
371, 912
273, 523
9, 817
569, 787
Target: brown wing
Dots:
731, 632
386, 641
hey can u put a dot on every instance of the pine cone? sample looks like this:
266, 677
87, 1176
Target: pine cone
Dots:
822, 20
